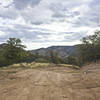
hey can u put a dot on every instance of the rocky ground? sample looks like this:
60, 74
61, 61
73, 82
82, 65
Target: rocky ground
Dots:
52, 83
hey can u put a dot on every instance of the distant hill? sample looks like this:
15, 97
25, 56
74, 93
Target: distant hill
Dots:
1, 46
62, 51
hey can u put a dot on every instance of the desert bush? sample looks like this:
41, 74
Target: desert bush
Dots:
42, 60
89, 50
12, 52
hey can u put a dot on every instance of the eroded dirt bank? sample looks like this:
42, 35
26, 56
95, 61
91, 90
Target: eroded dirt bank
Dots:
49, 84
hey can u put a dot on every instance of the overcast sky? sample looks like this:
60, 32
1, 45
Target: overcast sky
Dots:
42, 23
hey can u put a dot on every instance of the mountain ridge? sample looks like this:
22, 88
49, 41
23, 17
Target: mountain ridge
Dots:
62, 51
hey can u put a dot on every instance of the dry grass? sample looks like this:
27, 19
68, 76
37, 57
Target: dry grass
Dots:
70, 66
30, 65
41, 65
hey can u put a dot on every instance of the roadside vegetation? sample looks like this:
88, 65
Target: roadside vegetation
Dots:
89, 50
34, 65
13, 52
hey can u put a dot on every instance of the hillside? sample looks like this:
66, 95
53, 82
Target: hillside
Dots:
50, 83
62, 51
1, 45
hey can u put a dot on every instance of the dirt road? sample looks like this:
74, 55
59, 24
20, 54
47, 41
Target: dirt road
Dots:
49, 84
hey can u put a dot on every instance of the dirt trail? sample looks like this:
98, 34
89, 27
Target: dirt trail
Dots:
49, 84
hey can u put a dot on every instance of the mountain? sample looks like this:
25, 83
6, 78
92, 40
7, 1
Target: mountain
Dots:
2, 45
62, 51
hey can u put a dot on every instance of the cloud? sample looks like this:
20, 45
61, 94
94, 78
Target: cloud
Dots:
26, 33
48, 22
21, 4
9, 13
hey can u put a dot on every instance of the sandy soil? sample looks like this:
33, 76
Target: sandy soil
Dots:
53, 83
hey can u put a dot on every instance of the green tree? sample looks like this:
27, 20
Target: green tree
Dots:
89, 50
54, 57
13, 51
71, 60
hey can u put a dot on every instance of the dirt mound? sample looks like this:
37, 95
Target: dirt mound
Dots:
91, 67
54, 83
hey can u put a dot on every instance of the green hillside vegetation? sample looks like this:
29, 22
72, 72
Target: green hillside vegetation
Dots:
13, 52
89, 50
